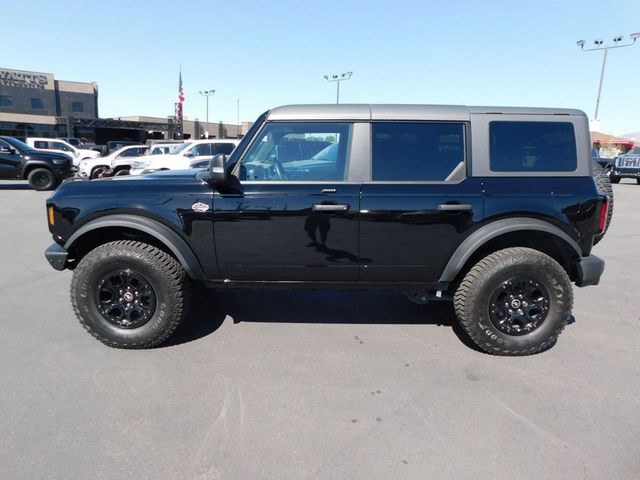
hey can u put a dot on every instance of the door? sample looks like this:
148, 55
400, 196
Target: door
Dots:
10, 161
419, 204
292, 216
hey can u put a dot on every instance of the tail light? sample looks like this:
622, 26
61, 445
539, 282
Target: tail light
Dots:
603, 214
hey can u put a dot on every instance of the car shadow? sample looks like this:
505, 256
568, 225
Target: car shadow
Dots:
209, 308
14, 186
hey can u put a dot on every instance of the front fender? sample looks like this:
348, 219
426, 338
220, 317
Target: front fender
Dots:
161, 232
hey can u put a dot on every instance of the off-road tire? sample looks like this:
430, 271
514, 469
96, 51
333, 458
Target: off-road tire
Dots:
41, 179
603, 185
164, 273
472, 300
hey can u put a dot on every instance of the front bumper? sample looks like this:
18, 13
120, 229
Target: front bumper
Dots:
589, 270
56, 256
625, 173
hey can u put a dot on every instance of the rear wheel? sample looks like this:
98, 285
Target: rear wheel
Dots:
41, 179
129, 294
515, 301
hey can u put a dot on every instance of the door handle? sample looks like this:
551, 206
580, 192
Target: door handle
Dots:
455, 207
319, 207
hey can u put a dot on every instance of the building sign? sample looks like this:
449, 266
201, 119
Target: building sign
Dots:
12, 78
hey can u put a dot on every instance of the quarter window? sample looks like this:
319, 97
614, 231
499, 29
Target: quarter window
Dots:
298, 152
416, 151
532, 147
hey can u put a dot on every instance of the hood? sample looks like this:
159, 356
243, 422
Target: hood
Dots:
45, 156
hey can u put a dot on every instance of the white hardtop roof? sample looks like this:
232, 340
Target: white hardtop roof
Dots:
402, 112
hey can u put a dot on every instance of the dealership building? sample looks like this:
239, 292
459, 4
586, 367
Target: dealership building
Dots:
35, 104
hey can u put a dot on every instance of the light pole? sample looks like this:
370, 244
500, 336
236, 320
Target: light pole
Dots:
338, 77
599, 45
207, 93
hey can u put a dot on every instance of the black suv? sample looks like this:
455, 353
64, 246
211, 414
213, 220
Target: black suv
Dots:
493, 208
43, 170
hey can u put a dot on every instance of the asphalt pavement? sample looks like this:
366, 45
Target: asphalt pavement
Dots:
313, 385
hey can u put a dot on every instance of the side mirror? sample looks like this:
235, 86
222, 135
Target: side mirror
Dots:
9, 150
217, 169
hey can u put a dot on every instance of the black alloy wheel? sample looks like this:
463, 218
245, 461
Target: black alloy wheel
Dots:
41, 179
129, 294
519, 305
125, 299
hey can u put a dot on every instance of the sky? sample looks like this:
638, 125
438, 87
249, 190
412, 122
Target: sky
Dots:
269, 53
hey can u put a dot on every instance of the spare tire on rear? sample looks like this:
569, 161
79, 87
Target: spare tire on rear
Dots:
603, 184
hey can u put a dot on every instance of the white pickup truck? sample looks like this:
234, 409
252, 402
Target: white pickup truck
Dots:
184, 155
57, 145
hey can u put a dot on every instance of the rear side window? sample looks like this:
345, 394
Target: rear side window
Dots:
416, 151
532, 147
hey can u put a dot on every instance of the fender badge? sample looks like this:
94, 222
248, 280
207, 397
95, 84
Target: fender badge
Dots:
200, 207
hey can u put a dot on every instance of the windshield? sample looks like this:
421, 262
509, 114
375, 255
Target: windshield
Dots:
182, 147
18, 144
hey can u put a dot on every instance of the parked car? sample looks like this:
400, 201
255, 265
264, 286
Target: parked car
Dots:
493, 208
113, 145
626, 166
43, 170
184, 154
57, 145
116, 163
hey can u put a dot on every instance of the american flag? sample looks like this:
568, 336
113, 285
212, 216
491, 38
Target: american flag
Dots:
180, 89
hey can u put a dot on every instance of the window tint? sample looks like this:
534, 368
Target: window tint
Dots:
532, 147
201, 149
225, 148
6, 101
37, 103
59, 146
416, 151
40, 144
77, 107
298, 152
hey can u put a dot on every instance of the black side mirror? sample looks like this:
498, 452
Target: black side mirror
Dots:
217, 172
9, 150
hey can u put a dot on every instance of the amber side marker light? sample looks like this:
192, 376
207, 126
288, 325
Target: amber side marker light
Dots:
50, 215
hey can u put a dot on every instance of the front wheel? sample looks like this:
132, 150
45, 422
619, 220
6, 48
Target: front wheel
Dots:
614, 178
41, 179
514, 301
129, 294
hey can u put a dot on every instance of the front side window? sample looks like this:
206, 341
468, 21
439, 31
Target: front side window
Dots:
6, 101
40, 144
60, 146
77, 107
298, 152
37, 104
532, 147
225, 148
404, 151
200, 150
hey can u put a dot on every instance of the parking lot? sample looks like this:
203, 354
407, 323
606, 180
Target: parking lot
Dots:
313, 385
